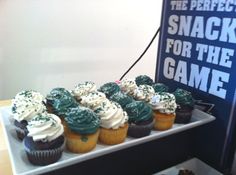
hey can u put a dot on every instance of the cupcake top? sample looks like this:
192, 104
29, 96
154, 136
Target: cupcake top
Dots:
93, 99
128, 86
164, 102
45, 127
160, 87
144, 93
121, 98
143, 79
111, 114
26, 109
28, 95
84, 89
61, 99
109, 88
82, 120
138, 111
183, 97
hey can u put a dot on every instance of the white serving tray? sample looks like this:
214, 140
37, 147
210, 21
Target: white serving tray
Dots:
21, 166
197, 166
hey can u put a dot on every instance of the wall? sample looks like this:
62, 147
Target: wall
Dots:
50, 43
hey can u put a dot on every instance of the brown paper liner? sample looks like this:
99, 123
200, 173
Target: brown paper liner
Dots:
163, 121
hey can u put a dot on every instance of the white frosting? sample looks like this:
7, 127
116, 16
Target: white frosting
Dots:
111, 115
26, 110
84, 89
164, 102
128, 86
93, 99
45, 127
144, 93
28, 95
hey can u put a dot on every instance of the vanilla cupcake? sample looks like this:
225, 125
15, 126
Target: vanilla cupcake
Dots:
128, 86
114, 123
144, 93
25, 106
93, 99
45, 141
164, 106
82, 129
83, 89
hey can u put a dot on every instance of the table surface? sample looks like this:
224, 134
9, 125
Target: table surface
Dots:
5, 164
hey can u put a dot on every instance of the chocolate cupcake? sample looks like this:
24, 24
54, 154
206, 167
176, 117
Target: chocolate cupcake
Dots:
45, 141
25, 106
140, 119
109, 89
185, 105
143, 79
59, 101
160, 87
121, 98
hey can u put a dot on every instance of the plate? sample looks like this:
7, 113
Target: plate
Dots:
21, 165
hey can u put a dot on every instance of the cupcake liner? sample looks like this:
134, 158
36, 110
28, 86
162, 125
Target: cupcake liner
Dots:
44, 157
183, 114
113, 136
163, 121
21, 133
138, 131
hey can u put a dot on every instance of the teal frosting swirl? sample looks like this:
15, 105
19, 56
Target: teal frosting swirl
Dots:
138, 111
109, 89
159, 87
143, 79
121, 98
61, 99
82, 120
183, 97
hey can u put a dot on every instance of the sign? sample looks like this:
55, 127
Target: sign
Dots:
197, 52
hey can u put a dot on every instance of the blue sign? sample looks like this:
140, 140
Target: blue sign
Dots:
197, 52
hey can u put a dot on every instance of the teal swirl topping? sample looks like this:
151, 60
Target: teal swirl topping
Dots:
109, 89
159, 87
138, 111
61, 100
82, 120
121, 98
143, 79
183, 97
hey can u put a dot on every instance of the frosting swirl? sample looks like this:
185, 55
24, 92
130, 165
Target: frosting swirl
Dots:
160, 87
144, 93
61, 99
164, 102
93, 99
45, 127
183, 97
28, 95
82, 120
84, 89
138, 111
109, 89
111, 115
128, 86
143, 79
121, 98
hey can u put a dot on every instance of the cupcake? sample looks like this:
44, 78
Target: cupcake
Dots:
144, 93
143, 79
140, 119
83, 89
121, 98
93, 99
59, 101
185, 105
25, 106
45, 141
163, 105
160, 87
109, 89
128, 86
82, 129
114, 123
